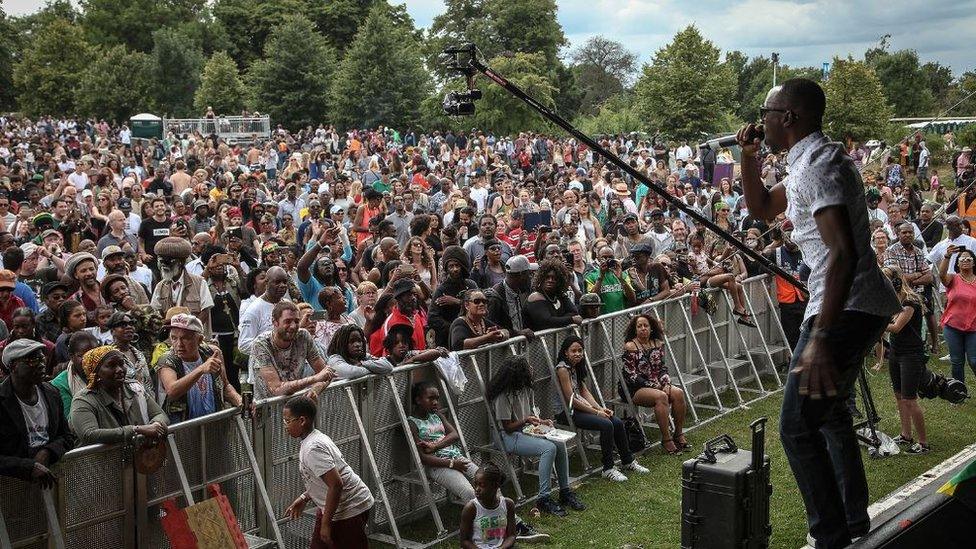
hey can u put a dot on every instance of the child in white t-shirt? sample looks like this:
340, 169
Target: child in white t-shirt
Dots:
488, 521
342, 498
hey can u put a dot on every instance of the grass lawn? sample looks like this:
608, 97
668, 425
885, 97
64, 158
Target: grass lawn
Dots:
645, 511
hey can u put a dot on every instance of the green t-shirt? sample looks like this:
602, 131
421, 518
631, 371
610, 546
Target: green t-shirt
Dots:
612, 291
381, 187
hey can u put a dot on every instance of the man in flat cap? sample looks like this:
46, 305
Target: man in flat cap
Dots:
176, 286
34, 432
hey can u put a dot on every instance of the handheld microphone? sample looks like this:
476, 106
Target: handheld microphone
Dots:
730, 140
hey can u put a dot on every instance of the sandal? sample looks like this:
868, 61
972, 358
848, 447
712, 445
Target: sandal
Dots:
744, 318
664, 446
681, 441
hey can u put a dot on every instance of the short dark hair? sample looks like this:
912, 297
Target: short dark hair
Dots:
807, 95
210, 251
281, 307
79, 338
418, 225
13, 258
302, 406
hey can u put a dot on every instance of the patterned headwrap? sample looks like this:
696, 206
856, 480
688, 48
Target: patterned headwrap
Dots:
91, 360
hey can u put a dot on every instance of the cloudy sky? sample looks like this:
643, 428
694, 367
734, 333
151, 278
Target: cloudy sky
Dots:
804, 32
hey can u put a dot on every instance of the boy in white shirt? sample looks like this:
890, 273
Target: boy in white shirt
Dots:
342, 498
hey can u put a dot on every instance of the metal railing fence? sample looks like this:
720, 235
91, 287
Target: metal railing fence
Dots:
101, 501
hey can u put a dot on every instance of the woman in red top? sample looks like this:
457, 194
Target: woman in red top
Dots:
959, 318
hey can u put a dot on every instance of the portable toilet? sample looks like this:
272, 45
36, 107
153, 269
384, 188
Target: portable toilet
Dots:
146, 126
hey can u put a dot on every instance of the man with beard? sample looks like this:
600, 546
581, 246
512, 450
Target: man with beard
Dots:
81, 268
405, 311
278, 357
177, 287
308, 282
506, 300
445, 304
192, 374
113, 263
197, 244
257, 319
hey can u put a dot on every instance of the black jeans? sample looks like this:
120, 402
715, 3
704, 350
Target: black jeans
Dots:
791, 317
819, 440
612, 433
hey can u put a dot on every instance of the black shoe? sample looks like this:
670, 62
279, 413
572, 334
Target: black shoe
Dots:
547, 505
525, 533
569, 499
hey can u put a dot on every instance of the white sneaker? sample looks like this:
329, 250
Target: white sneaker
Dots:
944, 358
614, 475
636, 467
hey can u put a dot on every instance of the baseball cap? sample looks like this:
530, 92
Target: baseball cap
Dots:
186, 321
110, 251
29, 248
51, 286
591, 299
519, 264
402, 286
49, 232
125, 203
643, 248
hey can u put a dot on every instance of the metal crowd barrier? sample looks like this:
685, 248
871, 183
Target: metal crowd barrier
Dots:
232, 128
101, 501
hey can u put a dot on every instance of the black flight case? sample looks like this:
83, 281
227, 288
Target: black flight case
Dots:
725, 495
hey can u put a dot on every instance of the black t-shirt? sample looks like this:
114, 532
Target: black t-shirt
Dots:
908, 342
461, 331
152, 231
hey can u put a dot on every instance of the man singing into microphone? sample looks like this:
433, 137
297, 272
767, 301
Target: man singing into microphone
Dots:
850, 304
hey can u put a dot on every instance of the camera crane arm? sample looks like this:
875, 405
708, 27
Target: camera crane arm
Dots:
464, 60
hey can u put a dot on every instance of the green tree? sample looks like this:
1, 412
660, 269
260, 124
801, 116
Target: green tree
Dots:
49, 69
528, 26
337, 20
381, 79
856, 106
132, 22
939, 78
291, 83
902, 78
502, 113
117, 85
463, 21
221, 86
616, 116
177, 63
755, 80
7, 44
603, 69
686, 89
962, 95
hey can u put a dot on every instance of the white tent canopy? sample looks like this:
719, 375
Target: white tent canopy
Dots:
146, 117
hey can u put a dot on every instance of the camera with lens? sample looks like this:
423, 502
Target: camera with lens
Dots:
460, 103
627, 263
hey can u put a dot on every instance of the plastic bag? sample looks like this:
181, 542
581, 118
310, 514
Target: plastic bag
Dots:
450, 368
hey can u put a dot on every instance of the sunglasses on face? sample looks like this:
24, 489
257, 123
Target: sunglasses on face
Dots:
478, 301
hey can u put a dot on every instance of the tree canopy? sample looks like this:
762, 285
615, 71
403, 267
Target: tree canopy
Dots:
51, 67
381, 79
291, 82
686, 89
118, 84
856, 106
221, 87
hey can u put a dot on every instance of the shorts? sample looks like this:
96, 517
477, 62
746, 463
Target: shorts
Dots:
905, 372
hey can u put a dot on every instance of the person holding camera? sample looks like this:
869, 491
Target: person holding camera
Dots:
610, 282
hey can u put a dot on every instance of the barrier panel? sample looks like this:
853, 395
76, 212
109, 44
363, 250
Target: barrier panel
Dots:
101, 502
232, 128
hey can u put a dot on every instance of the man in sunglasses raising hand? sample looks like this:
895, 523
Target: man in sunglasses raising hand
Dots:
850, 303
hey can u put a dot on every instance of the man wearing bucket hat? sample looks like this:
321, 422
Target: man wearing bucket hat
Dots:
34, 432
177, 287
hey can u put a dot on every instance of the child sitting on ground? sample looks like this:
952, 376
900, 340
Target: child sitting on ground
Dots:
488, 521
444, 462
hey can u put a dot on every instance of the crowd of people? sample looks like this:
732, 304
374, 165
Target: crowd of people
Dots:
145, 283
